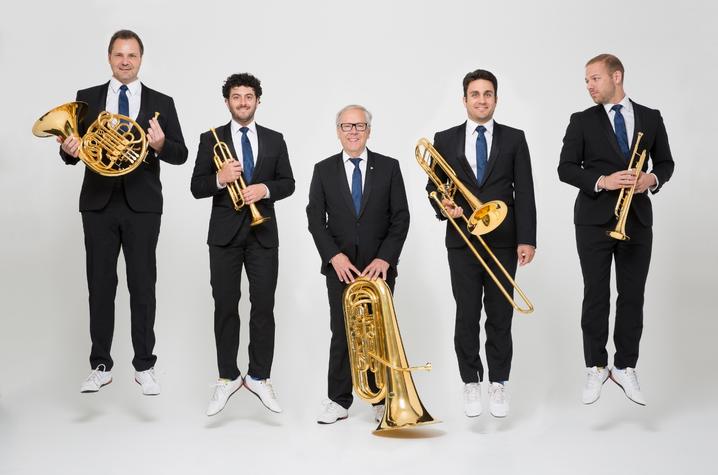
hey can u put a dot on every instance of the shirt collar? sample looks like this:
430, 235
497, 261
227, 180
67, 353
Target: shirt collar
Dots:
236, 126
362, 155
133, 88
471, 127
625, 102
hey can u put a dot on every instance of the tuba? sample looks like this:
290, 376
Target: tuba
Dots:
485, 217
375, 346
114, 144
626, 195
222, 155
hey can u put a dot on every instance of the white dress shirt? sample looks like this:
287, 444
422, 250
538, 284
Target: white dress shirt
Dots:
237, 143
134, 94
470, 145
349, 167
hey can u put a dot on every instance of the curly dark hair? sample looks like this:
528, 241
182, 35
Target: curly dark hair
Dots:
243, 79
480, 74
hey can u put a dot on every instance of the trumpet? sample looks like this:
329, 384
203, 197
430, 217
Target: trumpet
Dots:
626, 195
221, 156
484, 218
375, 346
114, 144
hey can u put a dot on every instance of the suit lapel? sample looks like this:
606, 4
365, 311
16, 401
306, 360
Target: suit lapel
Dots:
494, 153
461, 152
143, 114
637, 123
225, 135
608, 131
368, 180
261, 145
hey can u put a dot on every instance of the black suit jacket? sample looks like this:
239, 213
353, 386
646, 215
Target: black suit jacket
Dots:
380, 229
143, 188
590, 149
508, 178
272, 168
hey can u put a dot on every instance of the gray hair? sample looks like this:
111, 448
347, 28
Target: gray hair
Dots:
367, 114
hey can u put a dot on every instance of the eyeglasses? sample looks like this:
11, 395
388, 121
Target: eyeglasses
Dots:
347, 127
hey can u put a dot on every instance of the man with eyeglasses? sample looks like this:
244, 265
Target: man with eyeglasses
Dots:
359, 218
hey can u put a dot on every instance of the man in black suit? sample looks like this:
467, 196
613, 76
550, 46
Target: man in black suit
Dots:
262, 157
359, 217
493, 161
124, 212
595, 157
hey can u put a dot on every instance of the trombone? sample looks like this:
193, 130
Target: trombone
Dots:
626, 195
221, 156
484, 218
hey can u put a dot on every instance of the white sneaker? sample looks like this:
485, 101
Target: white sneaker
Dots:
498, 400
262, 388
595, 377
98, 378
148, 380
331, 412
223, 389
627, 379
472, 399
379, 412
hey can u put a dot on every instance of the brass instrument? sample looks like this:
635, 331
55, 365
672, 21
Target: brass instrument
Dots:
221, 156
114, 144
626, 195
375, 346
485, 217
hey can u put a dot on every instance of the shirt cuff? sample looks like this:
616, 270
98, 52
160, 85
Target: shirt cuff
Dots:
655, 187
596, 188
219, 185
266, 195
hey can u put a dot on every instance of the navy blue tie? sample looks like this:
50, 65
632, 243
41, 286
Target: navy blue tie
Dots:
247, 157
620, 125
123, 104
481, 154
356, 184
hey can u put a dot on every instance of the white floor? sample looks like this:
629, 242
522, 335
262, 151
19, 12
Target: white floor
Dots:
48, 427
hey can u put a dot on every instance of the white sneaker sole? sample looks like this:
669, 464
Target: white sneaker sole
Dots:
91, 391
225, 404
260, 400
624, 392
335, 420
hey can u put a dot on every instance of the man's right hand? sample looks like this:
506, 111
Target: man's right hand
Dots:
451, 208
618, 180
230, 172
71, 145
344, 268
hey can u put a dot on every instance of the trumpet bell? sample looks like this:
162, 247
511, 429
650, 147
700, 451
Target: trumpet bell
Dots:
61, 121
487, 217
618, 235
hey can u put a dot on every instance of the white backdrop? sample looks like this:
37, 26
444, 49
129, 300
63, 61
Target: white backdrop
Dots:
404, 62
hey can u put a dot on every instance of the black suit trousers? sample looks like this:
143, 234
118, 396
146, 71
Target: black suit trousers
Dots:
262, 266
339, 378
470, 282
596, 252
107, 231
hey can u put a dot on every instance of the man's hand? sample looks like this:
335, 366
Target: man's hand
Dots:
344, 268
254, 193
71, 145
155, 135
617, 180
451, 208
230, 172
645, 181
376, 268
526, 253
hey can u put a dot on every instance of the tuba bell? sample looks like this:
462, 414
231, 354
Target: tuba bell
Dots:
626, 195
114, 144
375, 346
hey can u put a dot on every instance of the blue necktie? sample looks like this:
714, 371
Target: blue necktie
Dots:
620, 125
247, 157
356, 184
481, 157
123, 104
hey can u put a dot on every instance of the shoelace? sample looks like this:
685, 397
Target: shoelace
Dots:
331, 406
95, 374
632, 378
217, 388
594, 378
472, 392
497, 393
268, 384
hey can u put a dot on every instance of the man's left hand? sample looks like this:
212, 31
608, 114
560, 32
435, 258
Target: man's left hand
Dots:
155, 136
526, 253
254, 193
376, 268
645, 181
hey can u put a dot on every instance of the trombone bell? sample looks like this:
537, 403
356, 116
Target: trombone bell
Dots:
487, 218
